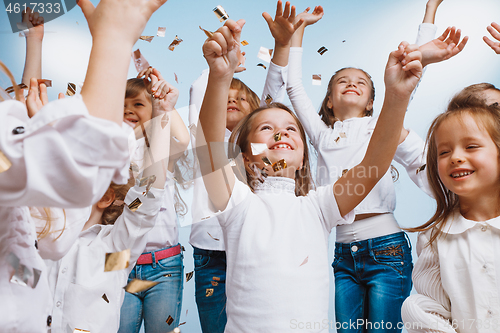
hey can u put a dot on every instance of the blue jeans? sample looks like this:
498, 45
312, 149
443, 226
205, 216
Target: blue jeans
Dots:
372, 280
210, 289
156, 304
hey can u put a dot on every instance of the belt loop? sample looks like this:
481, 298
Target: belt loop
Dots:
408, 240
153, 259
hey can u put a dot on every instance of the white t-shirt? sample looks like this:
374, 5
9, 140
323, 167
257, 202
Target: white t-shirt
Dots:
205, 230
62, 149
457, 279
78, 280
277, 256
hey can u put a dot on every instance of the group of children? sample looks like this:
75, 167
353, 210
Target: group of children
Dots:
103, 216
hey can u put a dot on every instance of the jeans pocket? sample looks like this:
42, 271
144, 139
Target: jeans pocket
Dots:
336, 261
392, 255
200, 261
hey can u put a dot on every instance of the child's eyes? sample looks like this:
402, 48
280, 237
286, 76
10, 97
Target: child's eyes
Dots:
291, 128
442, 153
265, 127
138, 104
472, 146
362, 82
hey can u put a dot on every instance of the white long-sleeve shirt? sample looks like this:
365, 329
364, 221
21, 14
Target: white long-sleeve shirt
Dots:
206, 232
457, 279
78, 280
64, 158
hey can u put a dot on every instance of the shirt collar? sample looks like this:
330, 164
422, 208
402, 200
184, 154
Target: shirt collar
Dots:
460, 224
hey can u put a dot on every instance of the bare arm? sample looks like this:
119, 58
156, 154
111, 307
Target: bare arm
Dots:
34, 38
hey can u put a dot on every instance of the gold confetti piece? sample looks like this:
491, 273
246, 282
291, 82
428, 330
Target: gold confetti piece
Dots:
136, 286
344, 172
5, 163
183, 248
244, 43
11, 89
422, 168
258, 148
71, 90
209, 292
216, 278
117, 260
176, 79
305, 261
104, 297
79, 330
213, 237
48, 83
139, 61
167, 275
221, 13
182, 324
215, 283
21, 273
337, 139
148, 182
265, 54
208, 33
343, 41
174, 43
281, 164
170, 320
189, 276
277, 137
269, 99
343, 135
316, 79
147, 38
266, 160
161, 32
262, 65
134, 205
322, 50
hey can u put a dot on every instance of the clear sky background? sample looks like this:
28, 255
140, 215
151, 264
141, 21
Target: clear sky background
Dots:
359, 33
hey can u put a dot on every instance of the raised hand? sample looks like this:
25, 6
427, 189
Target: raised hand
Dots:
403, 70
283, 26
310, 18
34, 21
444, 47
222, 49
35, 101
494, 30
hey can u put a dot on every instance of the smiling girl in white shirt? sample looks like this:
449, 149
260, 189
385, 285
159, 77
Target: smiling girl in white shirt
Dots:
276, 232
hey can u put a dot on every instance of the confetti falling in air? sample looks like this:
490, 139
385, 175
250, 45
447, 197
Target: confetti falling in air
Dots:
134, 205
216, 278
161, 32
176, 78
262, 65
117, 260
189, 276
139, 61
136, 286
182, 323
148, 182
265, 54
281, 164
214, 283
266, 160
170, 320
258, 148
79, 330
208, 33
174, 43
213, 237
209, 292
322, 50
71, 90
305, 261
104, 297
221, 13
268, 99
343, 41
48, 83
422, 168
5, 163
344, 172
277, 137
316, 79
147, 38
244, 43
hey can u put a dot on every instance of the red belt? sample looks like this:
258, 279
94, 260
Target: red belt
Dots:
147, 258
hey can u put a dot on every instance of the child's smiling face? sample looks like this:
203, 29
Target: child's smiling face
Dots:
289, 147
138, 109
237, 108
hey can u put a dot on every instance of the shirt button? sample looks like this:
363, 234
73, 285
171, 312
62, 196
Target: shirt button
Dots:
483, 228
354, 248
36, 244
64, 270
490, 312
49, 320
18, 130
58, 304
484, 266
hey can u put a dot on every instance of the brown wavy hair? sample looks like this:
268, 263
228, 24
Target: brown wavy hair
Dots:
487, 117
252, 97
327, 113
240, 134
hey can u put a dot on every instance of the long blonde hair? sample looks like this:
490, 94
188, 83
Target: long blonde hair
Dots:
488, 116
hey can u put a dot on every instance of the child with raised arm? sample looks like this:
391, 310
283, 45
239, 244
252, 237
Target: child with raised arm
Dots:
456, 275
29, 175
340, 134
206, 233
276, 231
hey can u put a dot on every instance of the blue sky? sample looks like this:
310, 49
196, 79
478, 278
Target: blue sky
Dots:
370, 29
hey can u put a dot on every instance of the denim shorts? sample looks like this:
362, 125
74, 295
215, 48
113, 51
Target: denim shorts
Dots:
372, 280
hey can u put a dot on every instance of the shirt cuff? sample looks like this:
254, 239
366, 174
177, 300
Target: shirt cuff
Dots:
410, 149
426, 33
